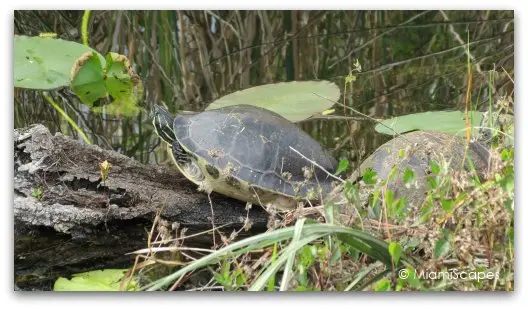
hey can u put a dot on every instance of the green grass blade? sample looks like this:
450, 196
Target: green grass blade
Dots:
271, 282
361, 275
289, 263
374, 279
257, 241
272, 270
361, 241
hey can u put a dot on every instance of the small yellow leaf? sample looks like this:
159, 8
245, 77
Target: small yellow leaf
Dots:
105, 168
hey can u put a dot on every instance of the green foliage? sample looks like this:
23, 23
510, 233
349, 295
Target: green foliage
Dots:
123, 85
350, 79
384, 285
294, 101
507, 181
298, 237
84, 26
231, 279
451, 122
425, 212
435, 168
88, 78
507, 154
434, 177
447, 205
98, 280
369, 176
37, 193
93, 80
389, 201
343, 167
271, 281
408, 176
395, 250
118, 76
351, 193
393, 173
331, 212
45, 63
442, 245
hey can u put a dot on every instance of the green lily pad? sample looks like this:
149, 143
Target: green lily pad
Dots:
43, 62
87, 79
118, 76
295, 101
450, 122
123, 85
91, 82
99, 280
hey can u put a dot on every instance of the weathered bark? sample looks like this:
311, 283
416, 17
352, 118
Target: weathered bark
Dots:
79, 223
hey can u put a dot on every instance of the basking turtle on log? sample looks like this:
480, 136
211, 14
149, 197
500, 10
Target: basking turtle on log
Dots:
416, 151
247, 152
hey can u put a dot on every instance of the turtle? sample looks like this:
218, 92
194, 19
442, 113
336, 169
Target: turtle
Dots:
415, 151
248, 153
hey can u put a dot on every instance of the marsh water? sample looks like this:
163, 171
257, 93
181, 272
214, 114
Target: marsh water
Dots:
412, 61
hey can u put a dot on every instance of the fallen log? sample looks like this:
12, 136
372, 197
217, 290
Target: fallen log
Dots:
68, 220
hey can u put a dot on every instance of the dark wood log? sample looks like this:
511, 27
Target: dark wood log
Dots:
78, 223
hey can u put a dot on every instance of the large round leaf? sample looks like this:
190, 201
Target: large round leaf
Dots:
295, 101
450, 122
45, 63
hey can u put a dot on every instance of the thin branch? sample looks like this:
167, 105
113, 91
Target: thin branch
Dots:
364, 115
164, 249
316, 164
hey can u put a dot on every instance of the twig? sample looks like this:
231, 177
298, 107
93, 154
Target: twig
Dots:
315, 164
212, 218
507, 74
364, 115
163, 249
189, 236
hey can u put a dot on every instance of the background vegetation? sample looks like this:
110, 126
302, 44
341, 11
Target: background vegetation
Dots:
412, 61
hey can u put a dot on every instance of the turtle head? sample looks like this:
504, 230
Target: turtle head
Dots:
163, 121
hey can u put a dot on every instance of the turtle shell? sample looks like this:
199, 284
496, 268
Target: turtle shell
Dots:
253, 145
415, 151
